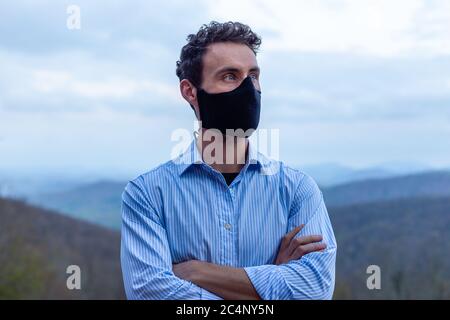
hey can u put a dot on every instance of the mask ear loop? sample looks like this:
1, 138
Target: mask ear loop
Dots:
196, 135
196, 132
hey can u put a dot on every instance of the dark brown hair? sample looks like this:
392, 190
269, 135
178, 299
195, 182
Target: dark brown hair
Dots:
190, 64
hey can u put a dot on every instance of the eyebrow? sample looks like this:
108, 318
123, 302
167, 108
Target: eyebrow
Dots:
233, 69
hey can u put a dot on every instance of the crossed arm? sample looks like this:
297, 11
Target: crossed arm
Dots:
234, 283
304, 268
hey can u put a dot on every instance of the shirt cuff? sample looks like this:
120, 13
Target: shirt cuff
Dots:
265, 279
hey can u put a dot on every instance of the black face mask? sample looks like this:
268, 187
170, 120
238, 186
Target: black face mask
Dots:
235, 109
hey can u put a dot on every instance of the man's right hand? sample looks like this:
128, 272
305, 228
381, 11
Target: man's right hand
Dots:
294, 248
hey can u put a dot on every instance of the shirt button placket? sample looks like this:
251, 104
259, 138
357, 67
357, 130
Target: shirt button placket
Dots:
230, 229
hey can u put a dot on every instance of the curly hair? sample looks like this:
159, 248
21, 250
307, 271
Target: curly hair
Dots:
190, 64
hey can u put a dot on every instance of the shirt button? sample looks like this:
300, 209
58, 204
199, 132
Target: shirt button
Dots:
227, 226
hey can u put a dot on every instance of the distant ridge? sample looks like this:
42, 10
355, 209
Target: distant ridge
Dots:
427, 184
408, 239
100, 202
38, 245
97, 202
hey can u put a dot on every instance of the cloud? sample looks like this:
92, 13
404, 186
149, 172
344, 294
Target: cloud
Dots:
334, 72
72, 81
337, 88
383, 28
62, 82
93, 139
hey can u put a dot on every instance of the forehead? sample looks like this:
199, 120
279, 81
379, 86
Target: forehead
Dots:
230, 54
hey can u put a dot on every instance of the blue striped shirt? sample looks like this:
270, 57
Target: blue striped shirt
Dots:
183, 210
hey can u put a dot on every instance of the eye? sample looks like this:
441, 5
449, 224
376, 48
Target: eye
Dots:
254, 76
229, 77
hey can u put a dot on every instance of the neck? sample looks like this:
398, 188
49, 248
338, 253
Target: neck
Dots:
223, 153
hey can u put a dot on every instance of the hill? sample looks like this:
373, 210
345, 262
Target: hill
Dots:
96, 202
428, 184
408, 238
38, 245
100, 202
331, 174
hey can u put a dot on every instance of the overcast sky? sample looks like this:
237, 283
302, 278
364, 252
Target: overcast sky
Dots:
356, 82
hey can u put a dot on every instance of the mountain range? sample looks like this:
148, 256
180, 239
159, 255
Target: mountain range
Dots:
38, 245
100, 202
407, 238
427, 184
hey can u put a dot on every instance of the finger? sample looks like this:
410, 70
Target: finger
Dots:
308, 248
309, 239
302, 250
288, 237
300, 241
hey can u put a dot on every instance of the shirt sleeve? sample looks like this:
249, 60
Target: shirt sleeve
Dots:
145, 255
313, 275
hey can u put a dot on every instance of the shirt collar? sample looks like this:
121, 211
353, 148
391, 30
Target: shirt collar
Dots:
192, 156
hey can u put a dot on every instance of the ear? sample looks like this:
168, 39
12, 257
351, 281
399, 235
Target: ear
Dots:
189, 93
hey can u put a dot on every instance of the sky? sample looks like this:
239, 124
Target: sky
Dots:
355, 82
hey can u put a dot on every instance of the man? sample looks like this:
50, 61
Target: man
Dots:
231, 223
